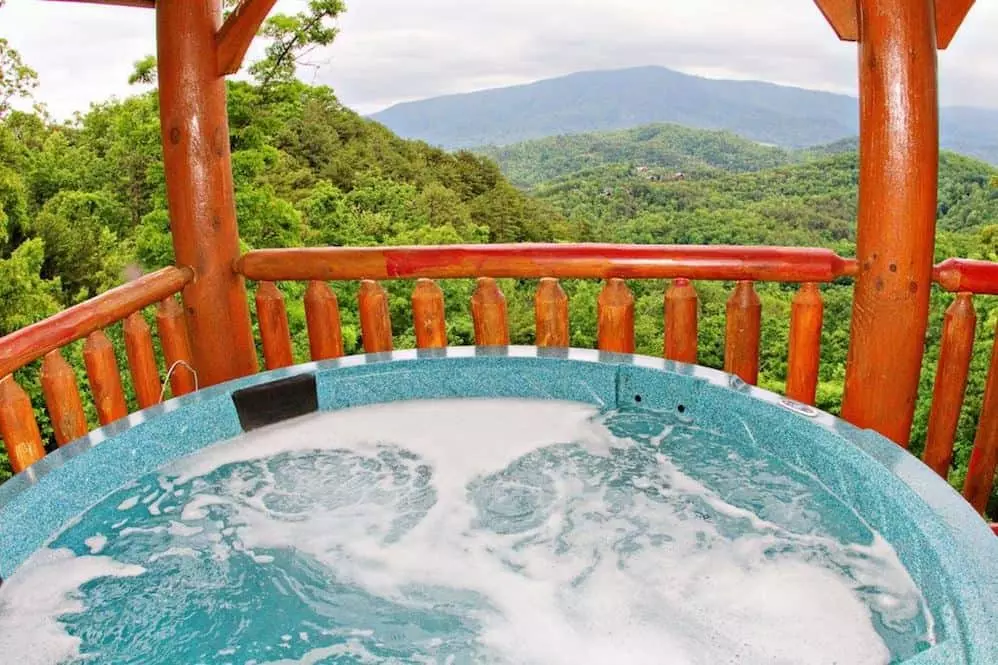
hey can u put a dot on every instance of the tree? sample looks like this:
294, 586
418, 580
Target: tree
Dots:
293, 37
17, 80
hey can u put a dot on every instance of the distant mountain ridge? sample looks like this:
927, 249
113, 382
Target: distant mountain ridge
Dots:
626, 98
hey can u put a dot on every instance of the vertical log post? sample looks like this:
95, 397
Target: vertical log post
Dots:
898, 167
681, 325
375, 320
141, 360
615, 317
984, 459
62, 396
488, 313
551, 314
195, 135
105, 381
428, 315
807, 313
955, 350
742, 330
274, 332
172, 327
322, 314
18, 427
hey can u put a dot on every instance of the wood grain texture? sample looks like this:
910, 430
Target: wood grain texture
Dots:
972, 276
237, 33
322, 315
561, 260
681, 321
807, 312
615, 317
428, 315
31, 343
949, 18
842, 16
272, 315
984, 458
172, 327
142, 360
955, 350
375, 319
62, 397
18, 427
741, 333
105, 379
898, 170
551, 314
195, 135
488, 313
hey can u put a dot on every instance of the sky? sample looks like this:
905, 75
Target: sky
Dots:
390, 51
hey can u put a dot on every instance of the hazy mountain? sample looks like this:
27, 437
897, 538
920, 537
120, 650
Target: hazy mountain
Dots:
625, 98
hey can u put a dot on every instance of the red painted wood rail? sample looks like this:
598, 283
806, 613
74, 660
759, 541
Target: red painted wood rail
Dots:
967, 275
955, 350
565, 261
29, 344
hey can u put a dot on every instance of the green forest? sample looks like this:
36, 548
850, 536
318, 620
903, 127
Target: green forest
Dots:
82, 205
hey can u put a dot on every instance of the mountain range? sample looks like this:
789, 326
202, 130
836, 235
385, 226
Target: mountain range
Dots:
625, 98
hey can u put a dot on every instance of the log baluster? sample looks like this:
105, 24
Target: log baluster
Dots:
62, 396
984, 459
807, 313
172, 327
488, 312
273, 318
105, 380
742, 330
615, 317
681, 324
142, 360
428, 315
375, 321
322, 314
551, 314
955, 349
18, 427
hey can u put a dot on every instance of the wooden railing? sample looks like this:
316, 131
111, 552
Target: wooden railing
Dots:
18, 426
548, 263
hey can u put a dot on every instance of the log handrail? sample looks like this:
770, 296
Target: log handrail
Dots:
970, 275
536, 260
31, 343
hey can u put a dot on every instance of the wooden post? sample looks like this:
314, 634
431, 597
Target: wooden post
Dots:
375, 320
105, 380
18, 427
551, 314
142, 360
322, 314
615, 317
272, 316
955, 350
681, 311
488, 313
62, 396
172, 327
428, 315
898, 167
741, 333
806, 315
195, 134
984, 459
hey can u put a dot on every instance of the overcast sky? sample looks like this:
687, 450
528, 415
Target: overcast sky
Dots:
397, 50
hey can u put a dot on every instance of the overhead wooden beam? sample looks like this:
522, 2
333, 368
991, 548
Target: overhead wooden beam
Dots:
144, 4
236, 35
843, 17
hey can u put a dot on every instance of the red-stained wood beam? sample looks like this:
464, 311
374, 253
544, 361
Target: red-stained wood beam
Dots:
28, 344
237, 33
843, 16
968, 275
143, 4
895, 238
563, 261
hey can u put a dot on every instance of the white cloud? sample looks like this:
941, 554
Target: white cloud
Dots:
392, 50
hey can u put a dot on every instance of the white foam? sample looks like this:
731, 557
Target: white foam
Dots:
41, 591
96, 544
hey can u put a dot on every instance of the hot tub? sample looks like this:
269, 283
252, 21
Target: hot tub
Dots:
502, 505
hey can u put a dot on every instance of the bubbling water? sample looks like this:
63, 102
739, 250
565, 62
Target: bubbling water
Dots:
468, 531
